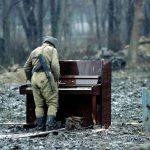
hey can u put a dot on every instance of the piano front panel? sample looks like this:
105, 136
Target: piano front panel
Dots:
85, 81
75, 105
80, 67
75, 101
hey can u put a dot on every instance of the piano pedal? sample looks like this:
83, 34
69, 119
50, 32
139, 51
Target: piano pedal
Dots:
94, 119
94, 122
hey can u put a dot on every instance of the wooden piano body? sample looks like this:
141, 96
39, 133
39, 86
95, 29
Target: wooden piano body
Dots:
84, 91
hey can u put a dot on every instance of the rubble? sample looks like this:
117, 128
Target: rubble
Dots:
126, 131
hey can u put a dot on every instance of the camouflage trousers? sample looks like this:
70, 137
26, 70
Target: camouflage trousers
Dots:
43, 94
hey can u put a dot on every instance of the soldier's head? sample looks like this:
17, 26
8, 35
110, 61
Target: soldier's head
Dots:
51, 40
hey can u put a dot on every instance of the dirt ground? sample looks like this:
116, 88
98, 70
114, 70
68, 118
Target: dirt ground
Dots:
125, 133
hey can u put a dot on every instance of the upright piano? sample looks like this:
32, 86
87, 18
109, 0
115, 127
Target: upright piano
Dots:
84, 91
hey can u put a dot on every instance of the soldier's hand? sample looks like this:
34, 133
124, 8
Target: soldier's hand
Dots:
28, 82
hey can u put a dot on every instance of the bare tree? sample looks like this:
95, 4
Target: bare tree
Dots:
129, 18
110, 23
55, 16
6, 32
114, 25
40, 21
97, 23
66, 20
33, 28
146, 27
138, 18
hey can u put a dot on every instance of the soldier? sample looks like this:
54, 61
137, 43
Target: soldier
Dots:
41, 87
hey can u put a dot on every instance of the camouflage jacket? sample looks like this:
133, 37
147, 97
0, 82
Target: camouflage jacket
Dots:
51, 56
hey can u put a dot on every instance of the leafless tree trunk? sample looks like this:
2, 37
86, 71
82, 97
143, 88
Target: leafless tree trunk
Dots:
65, 25
110, 23
114, 25
40, 21
6, 32
146, 26
138, 18
129, 20
27, 16
66, 21
55, 16
97, 23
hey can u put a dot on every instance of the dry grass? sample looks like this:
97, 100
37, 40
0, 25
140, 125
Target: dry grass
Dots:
13, 77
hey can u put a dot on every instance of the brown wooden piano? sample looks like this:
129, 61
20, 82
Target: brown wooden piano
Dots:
84, 91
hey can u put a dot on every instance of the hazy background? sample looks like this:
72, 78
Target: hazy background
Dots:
83, 27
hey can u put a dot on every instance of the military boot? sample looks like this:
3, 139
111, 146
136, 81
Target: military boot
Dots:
51, 123
41, 124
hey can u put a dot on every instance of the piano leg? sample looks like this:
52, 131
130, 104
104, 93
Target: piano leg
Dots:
94, 109
30, 109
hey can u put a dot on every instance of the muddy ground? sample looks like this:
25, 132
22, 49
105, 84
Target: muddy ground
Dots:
125, 133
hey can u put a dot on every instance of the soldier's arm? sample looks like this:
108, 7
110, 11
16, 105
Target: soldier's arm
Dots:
55, 65
28, 68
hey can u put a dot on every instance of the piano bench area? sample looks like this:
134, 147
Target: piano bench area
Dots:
84, 91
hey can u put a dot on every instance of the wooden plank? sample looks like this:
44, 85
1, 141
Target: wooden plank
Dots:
31, 135
13, 123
